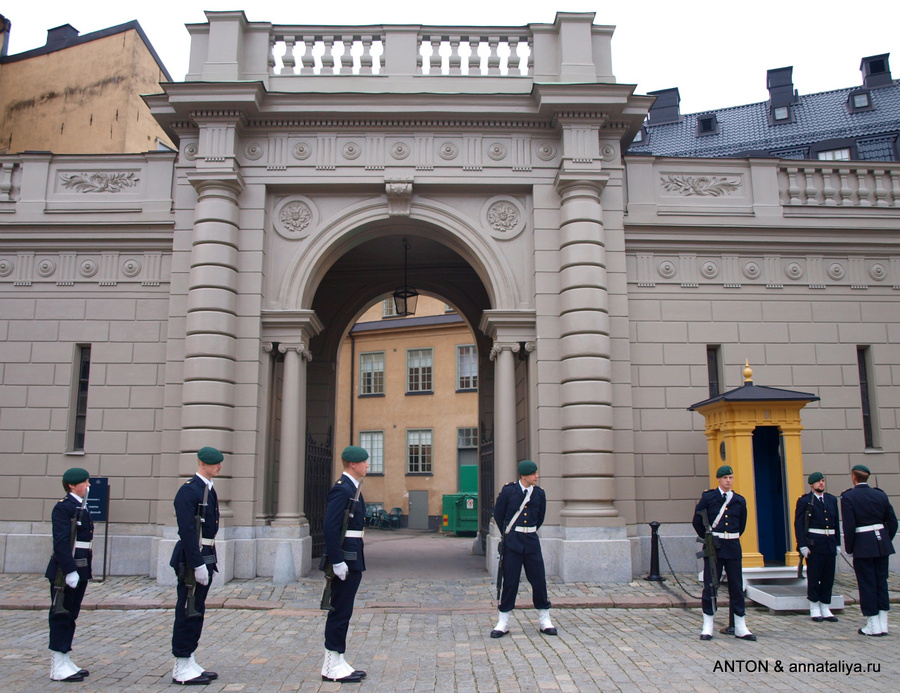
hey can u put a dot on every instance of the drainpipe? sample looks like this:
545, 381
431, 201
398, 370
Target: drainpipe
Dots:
352, 376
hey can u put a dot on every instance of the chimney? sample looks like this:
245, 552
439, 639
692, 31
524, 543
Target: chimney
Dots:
59, 36
5, 27
666, 107
876, 71
780, 83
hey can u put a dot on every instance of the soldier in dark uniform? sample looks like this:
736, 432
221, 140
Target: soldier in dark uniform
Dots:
194, 561
347, 560
727, 514
73, 563
519, 513
869, 528
818, 541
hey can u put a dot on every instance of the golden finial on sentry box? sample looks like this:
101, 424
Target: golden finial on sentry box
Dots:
748, 372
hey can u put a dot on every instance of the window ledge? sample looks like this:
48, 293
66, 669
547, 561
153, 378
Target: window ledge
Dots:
76, 453
371, 394
420, 392
873, 451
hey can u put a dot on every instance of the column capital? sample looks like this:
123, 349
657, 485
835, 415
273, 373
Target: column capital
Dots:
299, 347
570, 182
210, 181
504, 346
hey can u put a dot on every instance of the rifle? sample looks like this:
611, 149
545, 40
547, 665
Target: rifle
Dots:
325, 604
709, 552
501, 548
190, 580
809, 541
59, 580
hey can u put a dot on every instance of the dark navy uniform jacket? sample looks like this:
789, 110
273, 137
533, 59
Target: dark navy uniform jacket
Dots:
338, 497
824, 516
61, 517
187, 549
733, 521
862, 506
508, 502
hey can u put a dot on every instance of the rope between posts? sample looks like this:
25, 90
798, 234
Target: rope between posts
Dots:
677, 581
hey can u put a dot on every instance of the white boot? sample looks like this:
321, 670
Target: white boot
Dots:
740, 629
815, 611
502, 627
336, 669
211, 675
872, 627
547, 627
83, 672
61, 668
186, 669
707, 632
882, 621
349, 667
826, 612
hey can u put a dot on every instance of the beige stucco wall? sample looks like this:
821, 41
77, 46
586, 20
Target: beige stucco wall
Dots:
85, 98
444, 411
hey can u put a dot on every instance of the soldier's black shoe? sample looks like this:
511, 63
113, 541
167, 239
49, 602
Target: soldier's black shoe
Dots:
84, 672
211, 675
817, 619
549, 631
359, 672
749, 636
870, 635
705, 636
73, 678
350, 678
498, 633
196, 681
831, 619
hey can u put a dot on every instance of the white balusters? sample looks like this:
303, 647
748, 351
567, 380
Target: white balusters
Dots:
824, 185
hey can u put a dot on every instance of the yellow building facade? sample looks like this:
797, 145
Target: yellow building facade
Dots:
407, 392
82, 94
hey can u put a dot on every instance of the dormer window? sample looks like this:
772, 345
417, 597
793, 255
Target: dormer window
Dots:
859, 100
781, 114
707, 125
842, 154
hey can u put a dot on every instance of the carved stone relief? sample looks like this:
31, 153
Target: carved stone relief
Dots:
505, 217
99, 181
294, 217
701, 186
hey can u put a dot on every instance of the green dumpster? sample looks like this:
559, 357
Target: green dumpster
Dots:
460, 511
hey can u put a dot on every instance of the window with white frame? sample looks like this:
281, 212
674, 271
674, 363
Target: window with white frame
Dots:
388, 308
371, 373
419, 451
373, 443
466, 367
419, 368
835, 154
467, 437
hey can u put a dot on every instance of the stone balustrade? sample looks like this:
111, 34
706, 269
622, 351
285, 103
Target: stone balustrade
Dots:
839, 184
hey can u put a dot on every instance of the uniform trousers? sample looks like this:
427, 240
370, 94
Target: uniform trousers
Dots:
343, 594
533, 562
62, 626
819, 577
186, 631
871, 578
734, 570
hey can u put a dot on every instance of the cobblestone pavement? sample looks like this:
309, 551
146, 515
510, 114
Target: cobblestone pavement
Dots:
431, 635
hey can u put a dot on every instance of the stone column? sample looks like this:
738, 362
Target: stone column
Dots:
588, 466
208, 391
502, 353
292, 454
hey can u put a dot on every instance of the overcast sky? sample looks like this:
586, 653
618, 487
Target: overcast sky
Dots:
716, 53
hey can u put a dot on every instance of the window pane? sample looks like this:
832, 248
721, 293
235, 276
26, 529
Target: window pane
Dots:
419, 372
373, 443
419, 453
371, 373
81, 397
466, 367
467, 437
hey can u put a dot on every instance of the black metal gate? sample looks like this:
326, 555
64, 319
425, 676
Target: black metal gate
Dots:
486, 482
318, 483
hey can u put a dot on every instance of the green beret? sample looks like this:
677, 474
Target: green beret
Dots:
527, 468
860, 468
354, 453
814, 478
75, 476
724, 470
210, 455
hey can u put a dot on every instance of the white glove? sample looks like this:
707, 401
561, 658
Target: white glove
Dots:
201, 574
340, 570
72, 579
804, 551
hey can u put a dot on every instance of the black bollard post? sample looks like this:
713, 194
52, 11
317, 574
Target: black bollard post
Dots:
654, 575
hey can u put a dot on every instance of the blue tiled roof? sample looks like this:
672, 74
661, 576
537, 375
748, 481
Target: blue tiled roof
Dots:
743, 129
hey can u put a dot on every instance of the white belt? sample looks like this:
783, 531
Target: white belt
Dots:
869, 528
355, 534
526, 530
207, 542
83, 544
727, 535
826, 532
